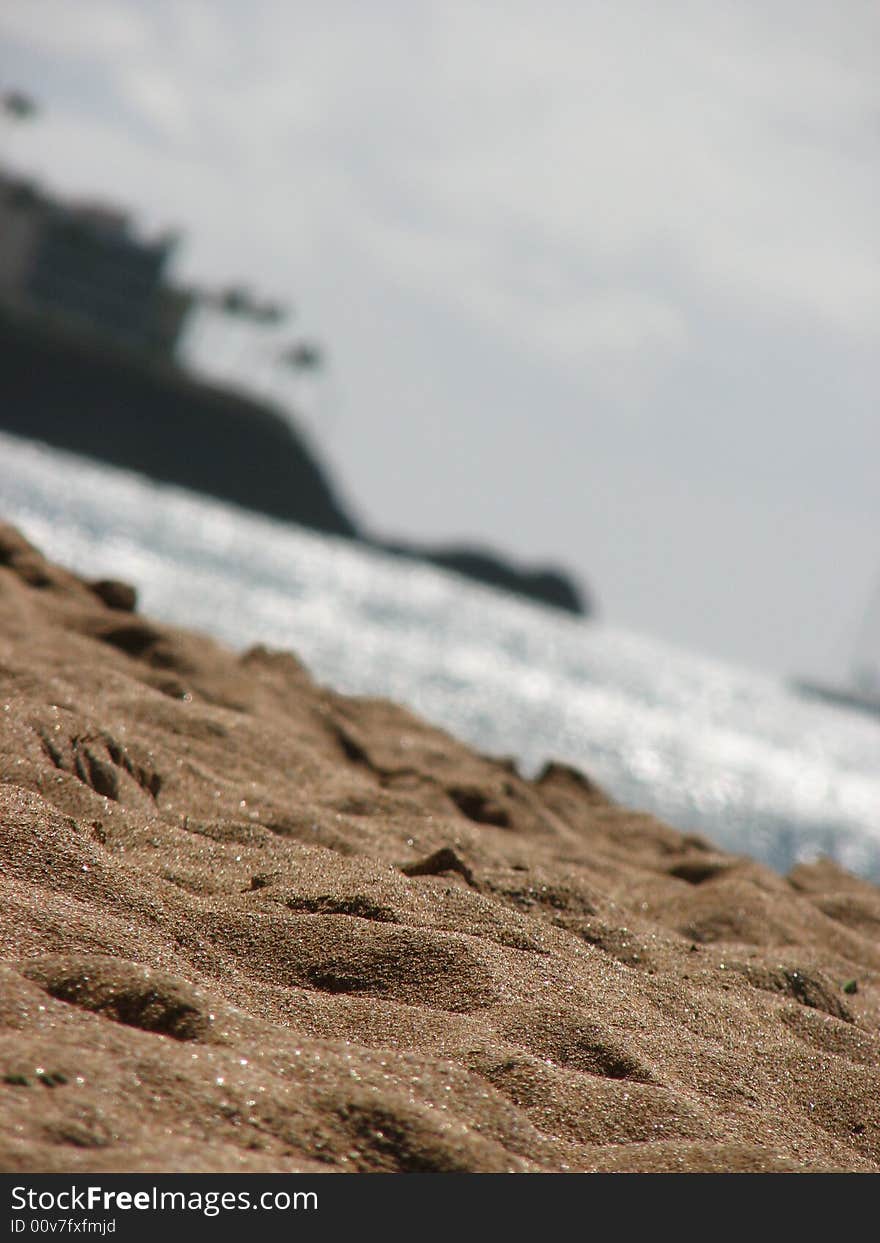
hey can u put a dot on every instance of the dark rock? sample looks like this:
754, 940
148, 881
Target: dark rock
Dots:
542, 583
116, 595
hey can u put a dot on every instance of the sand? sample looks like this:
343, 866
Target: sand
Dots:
249, 924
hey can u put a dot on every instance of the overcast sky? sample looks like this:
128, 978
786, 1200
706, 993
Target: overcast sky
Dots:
598, 282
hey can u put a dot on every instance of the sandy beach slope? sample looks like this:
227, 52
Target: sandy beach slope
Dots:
248, 924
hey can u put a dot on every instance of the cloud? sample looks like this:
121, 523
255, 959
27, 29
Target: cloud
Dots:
159, 101
94, 29
534, 170
719, 138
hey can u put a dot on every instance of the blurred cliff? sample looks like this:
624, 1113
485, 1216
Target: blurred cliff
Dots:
90, 326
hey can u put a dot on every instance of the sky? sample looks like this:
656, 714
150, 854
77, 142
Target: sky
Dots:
598, 282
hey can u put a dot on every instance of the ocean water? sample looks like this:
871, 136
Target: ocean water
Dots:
708, 747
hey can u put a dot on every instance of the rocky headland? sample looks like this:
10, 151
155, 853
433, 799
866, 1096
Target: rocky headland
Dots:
70, 389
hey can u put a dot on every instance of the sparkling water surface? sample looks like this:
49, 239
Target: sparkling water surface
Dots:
709, 747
